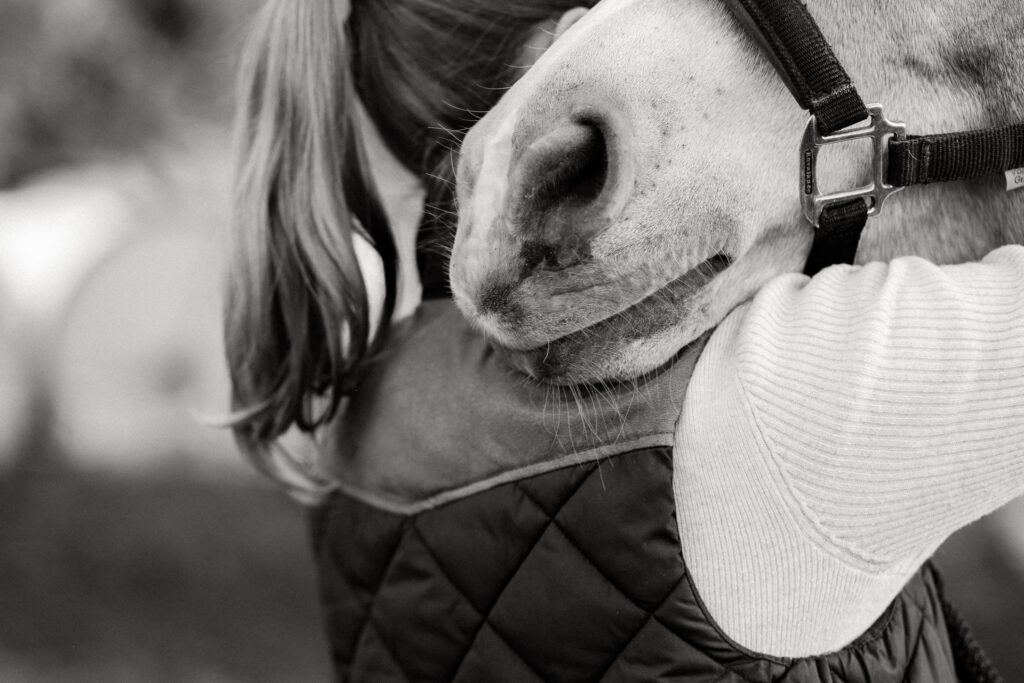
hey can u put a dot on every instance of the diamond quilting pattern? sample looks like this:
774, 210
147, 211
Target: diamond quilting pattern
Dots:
491, 659
553, 490
654, 655
495, 534
376, 534
573, 575
417, 591
345, 612
352, 567
375, 661
616, 503
593, 620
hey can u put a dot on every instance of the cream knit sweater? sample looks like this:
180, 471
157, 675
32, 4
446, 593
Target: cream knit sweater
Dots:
837, 430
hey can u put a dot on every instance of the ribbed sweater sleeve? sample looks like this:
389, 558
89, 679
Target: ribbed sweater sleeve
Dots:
869, 412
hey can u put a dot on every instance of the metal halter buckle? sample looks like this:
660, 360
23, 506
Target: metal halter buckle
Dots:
880, 130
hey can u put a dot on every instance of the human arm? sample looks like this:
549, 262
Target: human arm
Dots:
843, 427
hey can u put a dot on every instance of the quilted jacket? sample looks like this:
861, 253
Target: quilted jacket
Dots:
495, 530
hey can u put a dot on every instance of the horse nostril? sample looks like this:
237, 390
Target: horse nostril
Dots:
565, 188
564, 168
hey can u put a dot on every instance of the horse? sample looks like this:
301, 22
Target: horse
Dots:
640, 181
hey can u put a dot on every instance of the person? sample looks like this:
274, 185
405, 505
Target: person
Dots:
470, 532
345, 188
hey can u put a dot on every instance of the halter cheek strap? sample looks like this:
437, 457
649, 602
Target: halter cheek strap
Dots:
821, 86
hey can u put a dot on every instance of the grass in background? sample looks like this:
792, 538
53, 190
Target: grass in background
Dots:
107, 578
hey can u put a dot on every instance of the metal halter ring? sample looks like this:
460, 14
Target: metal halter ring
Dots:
880, 131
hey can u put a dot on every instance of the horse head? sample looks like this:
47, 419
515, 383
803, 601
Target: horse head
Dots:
642, 179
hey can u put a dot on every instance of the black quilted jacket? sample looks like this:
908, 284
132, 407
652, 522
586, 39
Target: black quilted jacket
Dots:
494, 530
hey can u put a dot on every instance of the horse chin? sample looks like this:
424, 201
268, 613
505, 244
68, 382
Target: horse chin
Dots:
626, 345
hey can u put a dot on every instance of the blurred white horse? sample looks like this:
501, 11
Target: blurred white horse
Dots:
653, 145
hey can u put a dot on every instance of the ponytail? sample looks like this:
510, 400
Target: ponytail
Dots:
296, 316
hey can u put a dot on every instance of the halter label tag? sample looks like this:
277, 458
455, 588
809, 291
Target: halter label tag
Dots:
1015, 179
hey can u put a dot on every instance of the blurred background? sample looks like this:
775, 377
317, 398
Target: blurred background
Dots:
134, 543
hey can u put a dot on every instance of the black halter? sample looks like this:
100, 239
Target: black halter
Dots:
821, 85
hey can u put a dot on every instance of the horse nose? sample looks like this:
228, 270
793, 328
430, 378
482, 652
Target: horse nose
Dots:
565, 188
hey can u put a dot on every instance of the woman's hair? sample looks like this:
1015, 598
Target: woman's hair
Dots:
296, 311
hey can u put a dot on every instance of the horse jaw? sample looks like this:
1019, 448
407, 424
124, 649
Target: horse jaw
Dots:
597, 254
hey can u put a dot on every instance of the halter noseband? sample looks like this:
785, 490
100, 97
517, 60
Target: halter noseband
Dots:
820, 85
